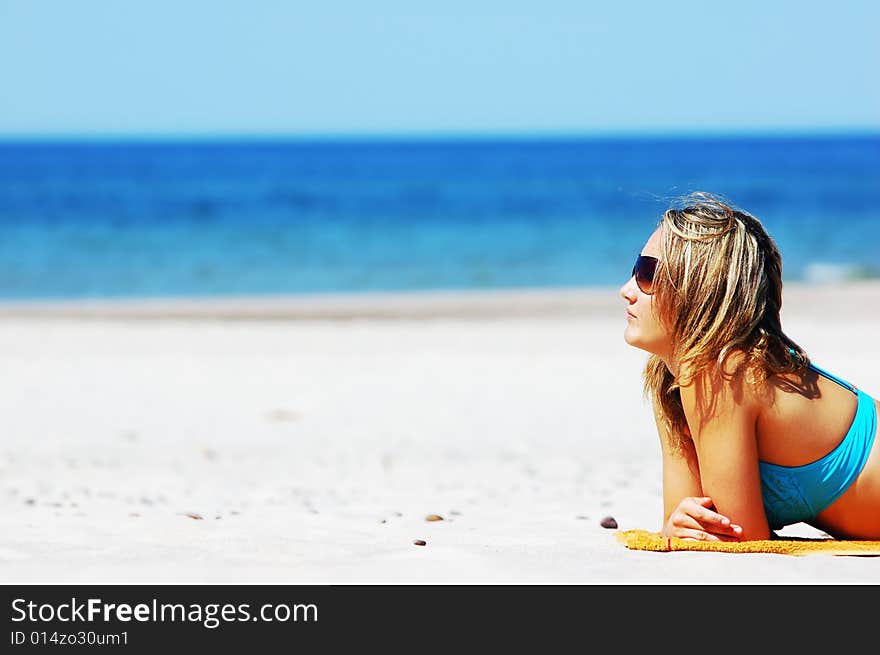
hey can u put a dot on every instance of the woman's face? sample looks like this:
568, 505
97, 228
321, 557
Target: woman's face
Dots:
643, 327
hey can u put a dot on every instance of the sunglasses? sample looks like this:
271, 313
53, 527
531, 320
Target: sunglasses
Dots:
643, 272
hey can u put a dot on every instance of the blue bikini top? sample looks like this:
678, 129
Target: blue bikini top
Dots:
794, 494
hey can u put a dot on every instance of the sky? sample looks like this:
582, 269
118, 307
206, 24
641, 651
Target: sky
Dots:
93, 68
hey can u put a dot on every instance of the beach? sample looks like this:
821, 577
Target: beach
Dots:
305, 440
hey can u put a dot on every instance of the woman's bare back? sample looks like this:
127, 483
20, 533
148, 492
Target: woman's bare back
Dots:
803, 417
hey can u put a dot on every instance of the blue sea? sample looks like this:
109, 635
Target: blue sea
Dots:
195, 218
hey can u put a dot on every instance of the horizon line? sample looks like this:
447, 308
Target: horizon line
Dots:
441, 135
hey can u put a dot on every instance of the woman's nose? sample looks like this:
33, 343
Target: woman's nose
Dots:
627, 292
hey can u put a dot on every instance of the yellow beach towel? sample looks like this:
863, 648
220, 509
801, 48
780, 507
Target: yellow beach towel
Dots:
644, 540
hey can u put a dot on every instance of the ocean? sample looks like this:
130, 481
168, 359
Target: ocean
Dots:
229, 218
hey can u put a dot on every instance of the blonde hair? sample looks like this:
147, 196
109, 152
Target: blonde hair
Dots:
718, 287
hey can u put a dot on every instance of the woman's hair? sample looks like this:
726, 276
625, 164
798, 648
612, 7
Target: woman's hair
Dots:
717, 290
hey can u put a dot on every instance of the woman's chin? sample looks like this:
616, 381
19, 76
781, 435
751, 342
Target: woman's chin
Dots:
633, 339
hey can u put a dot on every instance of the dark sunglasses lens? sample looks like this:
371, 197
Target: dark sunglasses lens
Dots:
643, 271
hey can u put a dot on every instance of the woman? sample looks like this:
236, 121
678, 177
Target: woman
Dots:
753, 435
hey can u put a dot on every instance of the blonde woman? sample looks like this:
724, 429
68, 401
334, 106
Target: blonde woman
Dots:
753, 435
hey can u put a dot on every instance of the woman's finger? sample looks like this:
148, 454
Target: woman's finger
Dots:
710, 520
697, 535
715, 522
690, 522
701, 535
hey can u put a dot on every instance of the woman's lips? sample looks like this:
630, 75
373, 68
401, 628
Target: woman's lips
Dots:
629, 315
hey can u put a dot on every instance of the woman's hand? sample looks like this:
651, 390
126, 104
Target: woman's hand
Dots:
696, 518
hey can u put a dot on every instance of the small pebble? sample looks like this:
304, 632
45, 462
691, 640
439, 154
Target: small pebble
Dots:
608, 522
419, 542
581, 516
30, 501
383, 521
455, 511
193, 515
433, 517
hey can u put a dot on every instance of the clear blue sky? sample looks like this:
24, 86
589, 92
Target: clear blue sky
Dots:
185, 67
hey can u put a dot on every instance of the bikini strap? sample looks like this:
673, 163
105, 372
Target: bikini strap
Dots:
842, 383
821, 371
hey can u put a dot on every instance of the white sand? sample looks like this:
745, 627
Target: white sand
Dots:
314, 435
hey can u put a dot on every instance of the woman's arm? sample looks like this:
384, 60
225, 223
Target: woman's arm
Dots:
687, 513
681, 470
722, 416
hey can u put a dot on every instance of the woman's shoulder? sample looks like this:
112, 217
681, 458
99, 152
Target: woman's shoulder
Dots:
729, 369
729, 381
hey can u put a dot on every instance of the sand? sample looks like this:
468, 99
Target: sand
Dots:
305, 440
